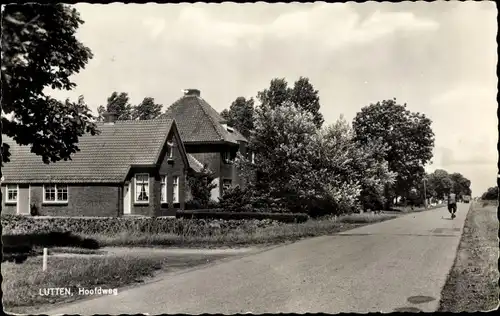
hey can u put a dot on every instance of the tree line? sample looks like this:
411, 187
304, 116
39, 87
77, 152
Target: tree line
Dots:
372, 162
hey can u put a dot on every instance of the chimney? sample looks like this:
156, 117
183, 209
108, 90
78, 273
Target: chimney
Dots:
109, 117
192, 92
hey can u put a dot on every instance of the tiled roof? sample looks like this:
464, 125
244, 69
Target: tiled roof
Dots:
197, 121
194, 163
103, 158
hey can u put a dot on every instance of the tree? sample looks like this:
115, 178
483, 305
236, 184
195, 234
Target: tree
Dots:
276, 95
146, 110
490, 194
201, 184
407, 135
40, 50
297, 165
461, 185
302, 95
241, 115
440, 183
363, 163
119, 105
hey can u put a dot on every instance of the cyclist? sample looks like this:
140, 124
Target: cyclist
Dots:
452, 204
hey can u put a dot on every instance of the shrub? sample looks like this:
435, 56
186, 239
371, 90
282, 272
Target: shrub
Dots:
34, 210
214, 214
197, 205
200, 185
51, 239
235, 199
112, 226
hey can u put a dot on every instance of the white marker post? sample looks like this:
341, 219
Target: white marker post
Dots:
44, 268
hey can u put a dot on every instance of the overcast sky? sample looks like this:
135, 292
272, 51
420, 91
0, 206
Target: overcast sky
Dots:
439, 58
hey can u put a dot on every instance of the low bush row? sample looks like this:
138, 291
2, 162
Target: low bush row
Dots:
12, 224
219, 214
20, 243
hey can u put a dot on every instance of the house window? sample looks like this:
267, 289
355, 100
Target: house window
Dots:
226, 184
141, 188
227, 157
176, 189
57, 193
12, 190
164, 189
170, 149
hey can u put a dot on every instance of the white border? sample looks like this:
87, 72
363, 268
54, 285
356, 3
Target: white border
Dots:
135, 189
178, 185
12, 202
44, 201
165, 189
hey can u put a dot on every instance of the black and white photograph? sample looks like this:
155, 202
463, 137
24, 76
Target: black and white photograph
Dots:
233, 158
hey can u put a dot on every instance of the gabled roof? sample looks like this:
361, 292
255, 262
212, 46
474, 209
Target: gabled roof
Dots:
198, 122
103, 158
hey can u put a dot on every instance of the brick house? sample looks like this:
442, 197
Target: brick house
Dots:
130, 168
209, 139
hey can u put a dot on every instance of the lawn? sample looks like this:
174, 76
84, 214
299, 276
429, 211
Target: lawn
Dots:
473, 281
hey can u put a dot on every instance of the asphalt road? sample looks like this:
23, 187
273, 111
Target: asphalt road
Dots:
398, 265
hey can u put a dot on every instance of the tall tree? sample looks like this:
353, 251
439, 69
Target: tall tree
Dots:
146, 110
441, 183
40, 50
276, 95
407, 135
241, 115
461, 185
304, 95
118, 103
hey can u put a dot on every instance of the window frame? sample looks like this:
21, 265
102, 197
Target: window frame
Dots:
170, 150
163, 189
148, 189
56, 193
7, 200
175, 189
227, 157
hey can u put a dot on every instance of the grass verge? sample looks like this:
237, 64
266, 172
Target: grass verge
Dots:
23, 284
276, 233
472, 284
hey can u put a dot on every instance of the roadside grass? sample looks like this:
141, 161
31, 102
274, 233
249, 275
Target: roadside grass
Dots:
273, 234
472, 284
408, 209
22, 282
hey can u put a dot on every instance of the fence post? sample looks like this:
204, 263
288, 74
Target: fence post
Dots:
44, 267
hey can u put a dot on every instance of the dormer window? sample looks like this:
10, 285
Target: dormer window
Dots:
170, 150
227, 128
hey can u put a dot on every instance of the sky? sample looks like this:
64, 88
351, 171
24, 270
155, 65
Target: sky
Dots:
437, 57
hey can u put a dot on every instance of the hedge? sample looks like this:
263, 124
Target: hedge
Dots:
15, 224
18, 242
217, 214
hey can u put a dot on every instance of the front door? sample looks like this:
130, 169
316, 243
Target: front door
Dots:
23, 201
127, 207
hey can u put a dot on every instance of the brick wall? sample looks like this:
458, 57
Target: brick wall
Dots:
83, 200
